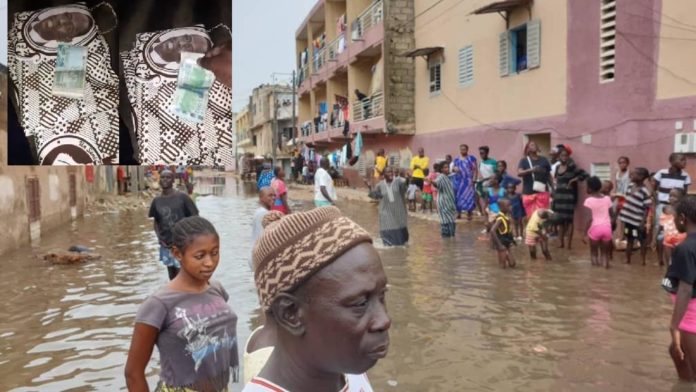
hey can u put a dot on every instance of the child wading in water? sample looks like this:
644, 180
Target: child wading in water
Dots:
188, 319
679, 282
634, 214
427, 194
535, 233
411, 195
517, 209
599, 227
668, 226
501, 234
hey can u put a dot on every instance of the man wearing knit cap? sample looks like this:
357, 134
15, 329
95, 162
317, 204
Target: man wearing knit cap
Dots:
322, 287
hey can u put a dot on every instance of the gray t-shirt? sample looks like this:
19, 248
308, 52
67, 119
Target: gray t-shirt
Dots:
197, 337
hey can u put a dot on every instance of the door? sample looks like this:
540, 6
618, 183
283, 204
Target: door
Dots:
542, 140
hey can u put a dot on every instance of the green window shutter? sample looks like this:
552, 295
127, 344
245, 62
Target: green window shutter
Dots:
466, 66
533, 44
504, 62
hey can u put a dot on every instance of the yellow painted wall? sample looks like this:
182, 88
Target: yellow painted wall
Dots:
677, 52
538, 92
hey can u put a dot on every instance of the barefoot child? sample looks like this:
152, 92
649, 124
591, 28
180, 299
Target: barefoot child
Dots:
668, 226
598, 229
411, 195
535, 233
188, 319
679, 283
501, 234
517, 210
634, 214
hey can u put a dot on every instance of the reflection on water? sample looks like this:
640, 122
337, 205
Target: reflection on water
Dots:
459, 321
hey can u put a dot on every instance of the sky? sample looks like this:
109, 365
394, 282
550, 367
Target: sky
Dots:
3, 32
263, 42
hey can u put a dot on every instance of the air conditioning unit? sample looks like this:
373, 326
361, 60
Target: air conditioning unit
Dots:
685, 142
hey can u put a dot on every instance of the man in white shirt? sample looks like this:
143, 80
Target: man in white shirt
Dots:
324, 192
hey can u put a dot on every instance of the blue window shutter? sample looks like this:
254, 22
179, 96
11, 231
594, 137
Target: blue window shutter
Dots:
504, 49
533, 43
466, 66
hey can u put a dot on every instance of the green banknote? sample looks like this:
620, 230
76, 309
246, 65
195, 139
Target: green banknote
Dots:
69, 75
190, 99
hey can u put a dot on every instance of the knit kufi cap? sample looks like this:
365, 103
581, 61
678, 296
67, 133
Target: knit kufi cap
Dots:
294, 247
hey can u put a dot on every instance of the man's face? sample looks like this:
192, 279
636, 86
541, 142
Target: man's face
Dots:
679, 162
389, 174
63, 27
346, 320
421, 152
267, 197
166, 180
170, 50
483, 154
463, 150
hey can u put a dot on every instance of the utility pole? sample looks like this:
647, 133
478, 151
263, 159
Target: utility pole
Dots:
275, 124
294, 116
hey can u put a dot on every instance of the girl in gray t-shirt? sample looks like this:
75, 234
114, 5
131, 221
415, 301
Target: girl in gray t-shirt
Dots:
188, 319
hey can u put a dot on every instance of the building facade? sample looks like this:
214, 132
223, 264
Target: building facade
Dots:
607, 77
345, 49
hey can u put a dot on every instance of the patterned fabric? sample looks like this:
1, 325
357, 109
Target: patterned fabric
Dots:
463, 183
445, 200
66, 130
294, 247
151, 80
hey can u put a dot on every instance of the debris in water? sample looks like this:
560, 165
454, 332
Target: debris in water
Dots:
392, 383
70, 257
540, 349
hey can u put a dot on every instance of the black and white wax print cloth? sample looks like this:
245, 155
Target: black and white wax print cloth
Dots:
150, 70
66, 130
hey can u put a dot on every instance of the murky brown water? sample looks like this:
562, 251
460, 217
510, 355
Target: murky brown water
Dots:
459, 322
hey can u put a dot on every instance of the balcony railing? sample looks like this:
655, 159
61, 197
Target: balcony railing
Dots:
335, 48
368, 108
370, 17
319, 59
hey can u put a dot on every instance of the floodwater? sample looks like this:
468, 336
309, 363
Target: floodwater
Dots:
460, 323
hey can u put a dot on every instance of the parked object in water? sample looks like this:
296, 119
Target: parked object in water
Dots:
79, 249
71, 257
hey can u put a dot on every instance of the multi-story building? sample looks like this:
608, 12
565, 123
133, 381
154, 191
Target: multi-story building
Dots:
270, 108
344, 50
607, 77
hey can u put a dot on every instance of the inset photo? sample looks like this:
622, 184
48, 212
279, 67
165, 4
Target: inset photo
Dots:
176, 91
63, 85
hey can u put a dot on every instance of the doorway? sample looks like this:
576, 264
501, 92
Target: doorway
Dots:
542, 140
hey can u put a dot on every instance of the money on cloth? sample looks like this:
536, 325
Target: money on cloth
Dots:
190, 100
69, 77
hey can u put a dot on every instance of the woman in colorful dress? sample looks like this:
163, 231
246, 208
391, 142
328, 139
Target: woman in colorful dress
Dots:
465, 172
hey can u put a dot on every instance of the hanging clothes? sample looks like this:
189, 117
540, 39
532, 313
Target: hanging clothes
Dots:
358, 144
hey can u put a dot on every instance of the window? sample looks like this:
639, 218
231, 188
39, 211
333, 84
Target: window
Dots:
73, 191
33, 199
466, 66
607, 49
435, 78
601, 170
520, 48
254, 140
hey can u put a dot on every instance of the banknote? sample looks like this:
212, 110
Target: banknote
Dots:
69, 75
190, 100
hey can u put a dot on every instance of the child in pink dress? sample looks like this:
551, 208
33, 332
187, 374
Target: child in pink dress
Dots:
598, 230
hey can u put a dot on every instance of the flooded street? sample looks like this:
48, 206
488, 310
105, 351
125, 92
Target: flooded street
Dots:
459, 321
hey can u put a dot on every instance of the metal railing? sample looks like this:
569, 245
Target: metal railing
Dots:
319, 59
302, 75
369, 107
368, 18
335, 48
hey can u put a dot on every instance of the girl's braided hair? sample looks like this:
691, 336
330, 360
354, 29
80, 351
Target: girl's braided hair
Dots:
687, 207
187, 229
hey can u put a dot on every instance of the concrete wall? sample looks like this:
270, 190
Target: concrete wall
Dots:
399, 71
677, 48
533, 93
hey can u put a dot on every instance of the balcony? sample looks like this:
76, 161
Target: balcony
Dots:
368, 108
335, 48
319, 59
369, 18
